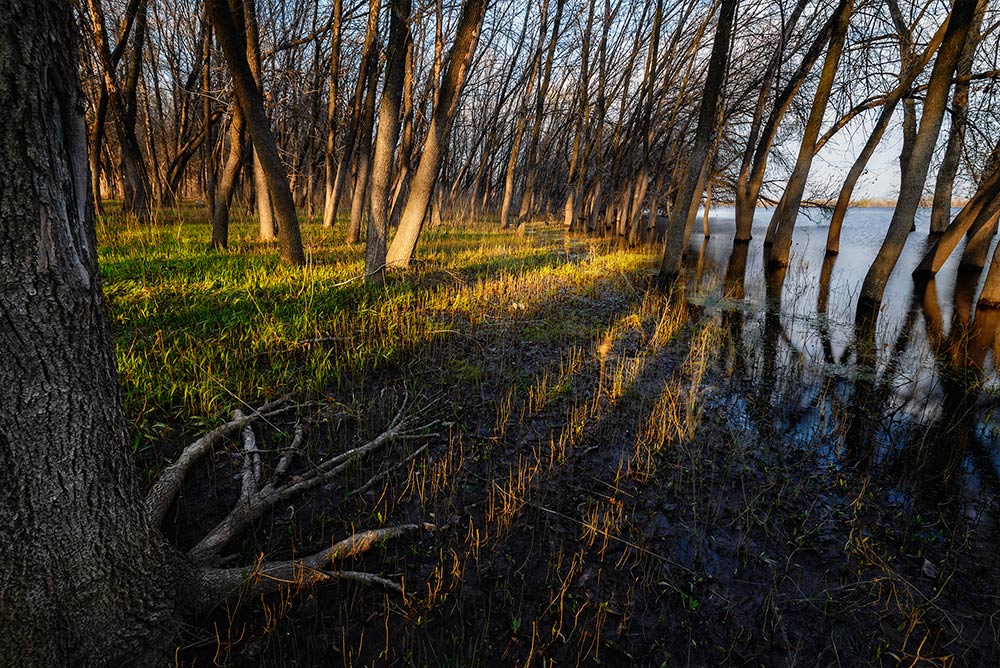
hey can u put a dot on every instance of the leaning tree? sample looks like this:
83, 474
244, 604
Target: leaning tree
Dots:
87, 578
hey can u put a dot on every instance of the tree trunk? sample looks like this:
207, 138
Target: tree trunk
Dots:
523, 202
121, 101
986, 196
945, 182
685, 208
369, 73
86, 581
422, 187
267, 225
779, 232
357, 108
252, 105
753, 166
388, 131
330, 157
912, 183
230, 175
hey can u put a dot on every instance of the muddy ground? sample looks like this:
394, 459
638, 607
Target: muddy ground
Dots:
611, 484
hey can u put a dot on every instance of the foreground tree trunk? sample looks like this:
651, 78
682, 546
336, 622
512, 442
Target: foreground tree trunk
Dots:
85, 579
424, 179
252, 106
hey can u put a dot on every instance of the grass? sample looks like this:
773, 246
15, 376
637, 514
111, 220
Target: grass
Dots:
200, 332
621, 477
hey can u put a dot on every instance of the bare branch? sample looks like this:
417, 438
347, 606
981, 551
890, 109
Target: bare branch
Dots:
169, 483
250, 508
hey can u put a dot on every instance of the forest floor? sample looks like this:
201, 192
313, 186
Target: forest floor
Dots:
593, 501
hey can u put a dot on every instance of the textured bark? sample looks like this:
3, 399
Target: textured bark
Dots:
425, 178
685, 208
252, 105
912, 183
779, 232
85, 580
388, 132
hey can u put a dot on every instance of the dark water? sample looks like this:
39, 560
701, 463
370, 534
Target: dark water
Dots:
916, 397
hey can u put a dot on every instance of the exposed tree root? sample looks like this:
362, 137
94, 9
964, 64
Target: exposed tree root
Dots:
216, 583
168, 485
269, 577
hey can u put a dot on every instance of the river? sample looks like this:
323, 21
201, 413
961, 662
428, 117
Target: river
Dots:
916, 398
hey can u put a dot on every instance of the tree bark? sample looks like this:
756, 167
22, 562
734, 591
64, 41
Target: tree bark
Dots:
252, 106
424, 179
385, 144
86, 581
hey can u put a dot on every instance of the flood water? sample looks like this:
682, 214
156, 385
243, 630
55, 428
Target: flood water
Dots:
916, 398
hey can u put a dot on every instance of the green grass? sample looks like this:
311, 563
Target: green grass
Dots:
199, 331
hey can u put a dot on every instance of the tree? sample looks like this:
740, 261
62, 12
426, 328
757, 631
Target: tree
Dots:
779, 232
913, 177
248, 96
88, 580
330, 155
388, 132
422, 187
686, 206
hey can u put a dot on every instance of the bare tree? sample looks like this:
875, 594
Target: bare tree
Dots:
388, 132
911, 188
252, 107
686, 205
411, 223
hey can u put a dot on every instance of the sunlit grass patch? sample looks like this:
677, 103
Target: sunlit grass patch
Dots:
200, 331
